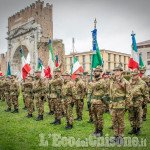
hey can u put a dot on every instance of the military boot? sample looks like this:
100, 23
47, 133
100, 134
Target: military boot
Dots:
133, 131
94, 133
3, 100
58, 122
29, 116
39, 118
8, 109
138, 131
54, 121
25, 108
99, 133
114, 140
69, 127
77, 118
90, 121
63, 114
15, 111
33, 109
80, 118
144, 117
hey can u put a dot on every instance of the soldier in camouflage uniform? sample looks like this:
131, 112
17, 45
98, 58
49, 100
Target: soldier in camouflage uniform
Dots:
14, 92
22, 89
98, 93
7, 93
28, 95
39, 90
55, 94
78, 95
120, 98
147, 80
67, 92
0, 87
88, 98
140, 96
3, 89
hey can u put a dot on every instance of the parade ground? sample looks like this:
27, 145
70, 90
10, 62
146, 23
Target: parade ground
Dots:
20, 133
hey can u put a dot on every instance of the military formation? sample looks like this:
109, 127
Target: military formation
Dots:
109, 94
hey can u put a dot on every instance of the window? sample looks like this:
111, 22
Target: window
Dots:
108, 57
148, 55
70, 60
84, 67
90, 58
83, 58
114, 57
148, 62
114, 65
124, 67
119, 58
124, 59
77, 58
108, 65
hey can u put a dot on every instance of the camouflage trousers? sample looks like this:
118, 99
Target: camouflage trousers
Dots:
51, 104
89, 108
14, 99
39, 104
98, 111
63, 108
135, 116
57, 108
24, 100
2, 95
8, 100
69, 112
79, 103
145, 110
29, 104
118, 121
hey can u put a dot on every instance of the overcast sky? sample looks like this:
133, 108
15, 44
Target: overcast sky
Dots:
75, 18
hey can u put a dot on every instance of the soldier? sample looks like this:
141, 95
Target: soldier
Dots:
98, 93
7, 93
14, 92
67, 92
88, 98
22, 89
3, 89
55, 94
28, 95
39, 94
140, 96
78, 95
146, 79
120, 97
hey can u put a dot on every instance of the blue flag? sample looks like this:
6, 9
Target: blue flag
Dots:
8, 70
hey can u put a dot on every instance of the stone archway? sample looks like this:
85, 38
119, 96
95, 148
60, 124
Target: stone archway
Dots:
16, 60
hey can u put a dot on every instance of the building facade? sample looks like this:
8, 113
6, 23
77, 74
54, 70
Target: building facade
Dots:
111, 59
144, 49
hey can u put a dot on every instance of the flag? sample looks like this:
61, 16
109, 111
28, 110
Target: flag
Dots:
134, 61
96, 58
8, 70
41, 67
51, 59
56, 61
25, 66
1, 74
76, 68
141, 64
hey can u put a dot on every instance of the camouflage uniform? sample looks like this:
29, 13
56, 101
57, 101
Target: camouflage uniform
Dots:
28, 95
98, 108
140, 95
14, 93
120, 97
78, 95
55, 94
39, 89
7, 94
147, 80
67, 92
22, 89
3, 89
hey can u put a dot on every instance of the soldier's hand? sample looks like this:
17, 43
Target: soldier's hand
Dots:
42, 98
143, 106
48, 97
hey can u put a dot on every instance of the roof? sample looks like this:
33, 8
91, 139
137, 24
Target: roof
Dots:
144, 43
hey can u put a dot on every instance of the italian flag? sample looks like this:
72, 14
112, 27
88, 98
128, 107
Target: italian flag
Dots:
134, 60
51, 62
25, 66
41, 67
76, 67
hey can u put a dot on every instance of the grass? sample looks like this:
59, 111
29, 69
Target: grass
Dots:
20, 133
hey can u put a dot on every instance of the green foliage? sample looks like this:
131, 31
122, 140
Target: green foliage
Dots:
20, 133
127, 77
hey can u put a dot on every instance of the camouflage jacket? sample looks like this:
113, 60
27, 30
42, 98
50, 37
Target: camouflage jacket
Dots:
120, 93
139, 92
79, 89
56, 86
7, 85
14, 88
28, 88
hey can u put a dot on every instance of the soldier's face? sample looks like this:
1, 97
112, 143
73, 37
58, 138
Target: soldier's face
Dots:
135, 77
57, 73
143, 72
38, 74
97, 73
88, 77
118, 73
